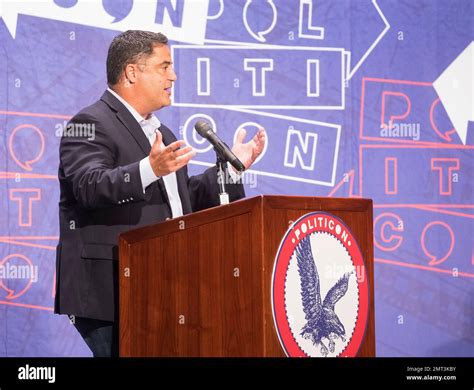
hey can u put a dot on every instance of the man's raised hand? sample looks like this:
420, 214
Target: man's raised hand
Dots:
168, 159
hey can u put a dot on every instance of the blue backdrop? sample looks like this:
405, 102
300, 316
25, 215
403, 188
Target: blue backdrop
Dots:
359, 98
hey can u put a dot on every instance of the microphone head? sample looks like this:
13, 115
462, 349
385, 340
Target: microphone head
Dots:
202, 128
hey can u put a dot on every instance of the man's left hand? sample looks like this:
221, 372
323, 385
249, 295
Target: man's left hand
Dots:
247, 153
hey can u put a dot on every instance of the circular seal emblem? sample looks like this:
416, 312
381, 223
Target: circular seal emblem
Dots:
320, 289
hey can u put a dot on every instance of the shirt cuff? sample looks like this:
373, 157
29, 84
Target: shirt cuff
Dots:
233, 175
146, 173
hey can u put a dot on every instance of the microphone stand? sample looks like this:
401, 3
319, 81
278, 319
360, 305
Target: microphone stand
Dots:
221, 178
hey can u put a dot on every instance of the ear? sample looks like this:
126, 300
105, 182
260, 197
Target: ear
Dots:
130, 73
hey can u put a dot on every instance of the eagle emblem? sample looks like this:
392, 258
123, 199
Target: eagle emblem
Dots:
320, 289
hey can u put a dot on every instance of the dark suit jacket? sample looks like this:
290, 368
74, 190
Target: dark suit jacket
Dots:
102, 196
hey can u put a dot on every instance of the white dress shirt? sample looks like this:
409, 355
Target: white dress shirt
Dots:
150, 127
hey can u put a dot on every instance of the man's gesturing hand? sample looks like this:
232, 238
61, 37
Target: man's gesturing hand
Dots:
165, 160
248, 152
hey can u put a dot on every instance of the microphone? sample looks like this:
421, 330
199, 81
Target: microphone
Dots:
204, 130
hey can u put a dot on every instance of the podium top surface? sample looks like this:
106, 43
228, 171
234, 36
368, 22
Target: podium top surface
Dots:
242, 206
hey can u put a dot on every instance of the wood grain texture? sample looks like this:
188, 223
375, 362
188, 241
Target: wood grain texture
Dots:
200, 285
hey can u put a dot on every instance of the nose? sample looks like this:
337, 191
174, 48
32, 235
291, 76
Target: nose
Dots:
173, 75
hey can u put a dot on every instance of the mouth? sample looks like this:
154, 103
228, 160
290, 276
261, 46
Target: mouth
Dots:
168, 91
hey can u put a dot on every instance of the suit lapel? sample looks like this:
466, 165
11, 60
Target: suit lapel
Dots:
181, 174
168, 137
129, 122
182, 179
135, 130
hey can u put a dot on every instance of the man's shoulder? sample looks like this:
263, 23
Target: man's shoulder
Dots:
96, 112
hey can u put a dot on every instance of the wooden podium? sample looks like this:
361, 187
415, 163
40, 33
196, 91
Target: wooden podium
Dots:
200, 285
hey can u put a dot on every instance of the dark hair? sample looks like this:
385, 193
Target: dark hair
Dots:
127, 48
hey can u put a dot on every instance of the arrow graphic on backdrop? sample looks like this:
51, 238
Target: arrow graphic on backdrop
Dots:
455, 89
183, 22
355, 25
360, 61
328, 22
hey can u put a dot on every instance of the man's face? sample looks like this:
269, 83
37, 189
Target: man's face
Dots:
155, 78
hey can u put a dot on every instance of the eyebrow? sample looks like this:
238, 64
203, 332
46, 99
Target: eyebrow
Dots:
166, 63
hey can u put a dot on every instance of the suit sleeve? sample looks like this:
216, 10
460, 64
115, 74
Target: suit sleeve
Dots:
204, 189
89, 166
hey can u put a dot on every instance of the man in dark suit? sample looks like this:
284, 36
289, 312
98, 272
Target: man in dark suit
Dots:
131, 172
